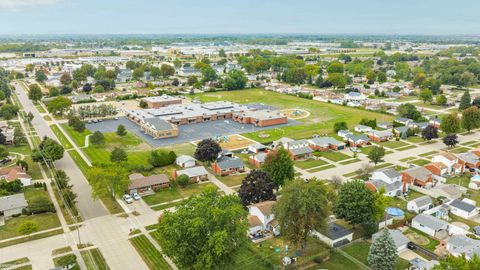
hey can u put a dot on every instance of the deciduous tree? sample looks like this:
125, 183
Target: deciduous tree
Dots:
108, 181
465, 101
376, 154
450, 140
279, 166
118, 155
450, 123
27, 227
121, 130
355, 204
471, 118
256, 187
207, 150
429, 133
97, 138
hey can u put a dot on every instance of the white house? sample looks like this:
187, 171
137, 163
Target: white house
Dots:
430, 225
400, 240
464, 208
257, 148
363, 129
420, 204
344, 133
450, 161
12, 205
185, 161
461, 244
335, 235
354, 96
387, 179
261, 218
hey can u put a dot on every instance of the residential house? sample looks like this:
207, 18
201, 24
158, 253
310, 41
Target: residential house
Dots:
335, 235
299, 149
358, 140
420, 126
459, 245
344, 133
400, 130
354, 97
11, 174
282, 142
380, 136
437, 168
227, 164
258, 159
420, 204
435, 122
421, 264
325, 143
12, 205
363, 129
403, 121
430, 225
418, 176
469, 160
385, 125
398, 237
387, 179
185, 161
145, 184
454, 167
465, 208
196, 174
257, 148
261, 218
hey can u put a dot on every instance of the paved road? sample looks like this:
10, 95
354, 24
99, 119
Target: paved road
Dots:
87, 206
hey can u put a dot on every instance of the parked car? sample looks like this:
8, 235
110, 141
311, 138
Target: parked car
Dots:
116, 118
127, 198
355, 149
135, 196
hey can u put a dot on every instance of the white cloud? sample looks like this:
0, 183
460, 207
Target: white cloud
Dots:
19, 4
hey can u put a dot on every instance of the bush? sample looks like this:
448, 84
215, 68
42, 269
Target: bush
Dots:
162, 157
183, 180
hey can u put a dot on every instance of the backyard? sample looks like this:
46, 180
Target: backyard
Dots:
175, 193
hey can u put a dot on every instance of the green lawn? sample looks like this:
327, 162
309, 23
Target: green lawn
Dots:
94, 259
77, 137
415, 139
61, 137
432, 243
150, 255
420, 162
461, 180
458, 150
165, 206
309, 163
232, 180
75, 267
406, 147
335, 156
31, 238
336, 262
36, 193
79, 161
394, 144
322, 168
359, 250
350, 161
322, 115
45, 221
174, 193
33, 168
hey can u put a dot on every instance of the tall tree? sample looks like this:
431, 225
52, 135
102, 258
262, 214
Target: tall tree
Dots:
279, 166
205, 232
302, 208
108, 181
429, 133
450, 123
471, 118
450, 140
376, 154
458, 263
66, 79
465, 101
121, 130
34, 93
256, 187
207, 150
97, 138
383, 253
49, 149
355, 204
118, 155
340, 126
59, 105
426, 95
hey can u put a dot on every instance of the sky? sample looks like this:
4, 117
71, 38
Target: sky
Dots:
396, 17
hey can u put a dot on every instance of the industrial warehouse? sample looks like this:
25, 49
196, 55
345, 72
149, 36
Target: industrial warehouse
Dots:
161, 122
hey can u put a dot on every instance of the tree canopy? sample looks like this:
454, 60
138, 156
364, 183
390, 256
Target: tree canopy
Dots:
383, 252
355, 204
256, 187
207, 150
279, 166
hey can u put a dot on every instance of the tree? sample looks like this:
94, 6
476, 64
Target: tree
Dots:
409, 111
205, 232
9, 111
162, 157
209, 74
222, 53
87, 88
3, 152
167, 70
475, 102
108, 181
302, 208
97, 138
66, 79
121, 130
207, 150
465, 101
53, 91
441, 100
371, 76
40, 76
376, 154
450, 123
450, 140
256, 187
355, 204
340, 126
143, 104
49, 149
18, 136
381, 76
27, 227
77, 124
67, 261
118, 155
192, 80
471, 118
426, 95
235, 79
338, 80
138, 73
335, 67
34, 93
458, 263
279, 166
183, 180
429, 133
59, 105
99, 89
419, 79
383, 253
155, 72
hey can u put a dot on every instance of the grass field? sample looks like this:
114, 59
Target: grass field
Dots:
61, 137
45, 221
77, 137
322, 168
150, 255
359, 250
335, 156
309, 163
232, 180
174, 193
394, 144
321, 119
31, 238
75, 267
94, 259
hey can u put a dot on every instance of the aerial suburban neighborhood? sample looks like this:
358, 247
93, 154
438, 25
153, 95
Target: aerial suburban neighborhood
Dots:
164, 141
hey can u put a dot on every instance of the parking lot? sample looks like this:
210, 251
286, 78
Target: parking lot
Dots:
188, 133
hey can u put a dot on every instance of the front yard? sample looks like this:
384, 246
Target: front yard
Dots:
45, 221
309, 163
175, 193
334, 156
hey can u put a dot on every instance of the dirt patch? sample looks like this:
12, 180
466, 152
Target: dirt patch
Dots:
418, 239
461, 225
296, 113
232, 142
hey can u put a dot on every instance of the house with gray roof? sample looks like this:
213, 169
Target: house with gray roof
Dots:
362, 129
421, 264
380, 135
325, 143
420, 204
385, 125
388, 180
398, 237
459, 245
464, 208
469, 159
185, 161
356, 140
12, 205
196, 174
431, 225
334, 235
226, 165
258, 159
400, 130
403, 120
418, 176
299, 149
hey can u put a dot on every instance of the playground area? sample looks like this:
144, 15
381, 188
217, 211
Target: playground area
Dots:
232, 142
296, 113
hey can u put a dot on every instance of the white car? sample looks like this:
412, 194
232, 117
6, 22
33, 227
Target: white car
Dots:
127, 198
135, 196
355, 149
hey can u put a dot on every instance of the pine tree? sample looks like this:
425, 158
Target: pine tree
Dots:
465, 101
383, 253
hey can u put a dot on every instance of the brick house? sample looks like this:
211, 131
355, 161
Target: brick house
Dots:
143, 184
325, 143
418, 176
258, 159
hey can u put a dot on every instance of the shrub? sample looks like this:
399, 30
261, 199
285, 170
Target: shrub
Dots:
183, 180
